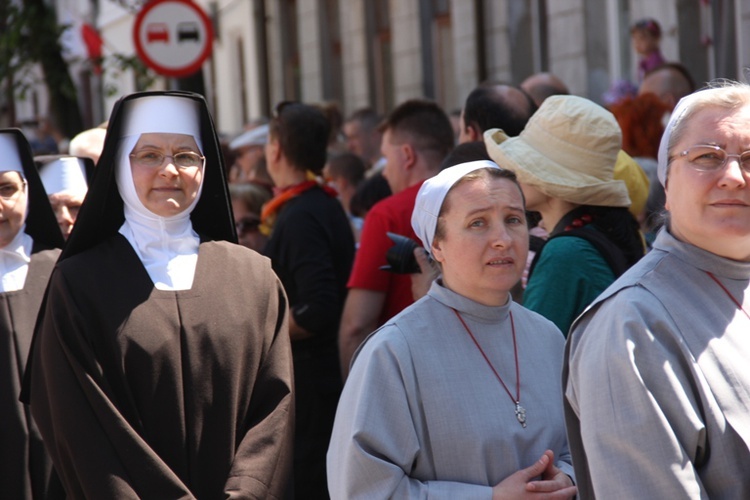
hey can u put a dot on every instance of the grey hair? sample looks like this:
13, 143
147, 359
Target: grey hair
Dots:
725, 94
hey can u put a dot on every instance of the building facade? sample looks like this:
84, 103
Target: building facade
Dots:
377, 53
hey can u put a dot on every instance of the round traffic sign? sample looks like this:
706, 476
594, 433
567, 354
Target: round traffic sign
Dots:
173, 37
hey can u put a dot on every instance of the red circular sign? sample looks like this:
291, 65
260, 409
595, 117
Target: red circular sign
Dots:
173, 37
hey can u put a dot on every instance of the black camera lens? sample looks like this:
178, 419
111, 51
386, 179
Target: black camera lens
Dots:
400, 256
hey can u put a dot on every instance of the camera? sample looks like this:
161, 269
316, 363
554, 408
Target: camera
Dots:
400, 256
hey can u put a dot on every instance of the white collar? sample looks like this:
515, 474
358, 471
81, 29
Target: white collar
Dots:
14, 261
167, 246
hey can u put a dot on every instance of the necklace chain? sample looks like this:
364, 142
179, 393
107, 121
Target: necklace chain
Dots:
736, 302
520, 410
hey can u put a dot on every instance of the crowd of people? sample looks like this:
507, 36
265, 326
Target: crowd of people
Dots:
545, 297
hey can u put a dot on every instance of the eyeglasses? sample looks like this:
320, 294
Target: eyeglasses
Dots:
707, 158
247, 225
186, 159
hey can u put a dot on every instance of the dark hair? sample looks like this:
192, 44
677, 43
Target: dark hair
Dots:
466, 152
368, 118
423, 124
253, 195
347, 165
648, 25
369, 192
487, 107
302, 131
332, 112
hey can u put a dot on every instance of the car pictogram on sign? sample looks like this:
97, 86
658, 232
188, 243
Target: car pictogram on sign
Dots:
173, 37
188, 31
157, 32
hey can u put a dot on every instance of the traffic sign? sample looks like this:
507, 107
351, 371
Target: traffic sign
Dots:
173, 37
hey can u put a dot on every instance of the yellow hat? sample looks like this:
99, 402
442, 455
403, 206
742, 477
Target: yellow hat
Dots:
630, 172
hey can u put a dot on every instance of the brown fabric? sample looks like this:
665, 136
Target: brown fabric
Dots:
25, 468
145, 393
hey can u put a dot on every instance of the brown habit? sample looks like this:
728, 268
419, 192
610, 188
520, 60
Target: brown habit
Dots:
148, 393
24, 466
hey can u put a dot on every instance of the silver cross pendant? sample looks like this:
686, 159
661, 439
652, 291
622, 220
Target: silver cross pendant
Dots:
521, 414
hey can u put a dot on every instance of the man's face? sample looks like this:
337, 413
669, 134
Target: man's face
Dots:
66, 205
247, 157
354, 139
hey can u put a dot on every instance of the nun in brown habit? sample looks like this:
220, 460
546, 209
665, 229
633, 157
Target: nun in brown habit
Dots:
161, 364
30, 243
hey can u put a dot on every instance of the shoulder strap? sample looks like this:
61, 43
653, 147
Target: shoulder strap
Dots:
612, 254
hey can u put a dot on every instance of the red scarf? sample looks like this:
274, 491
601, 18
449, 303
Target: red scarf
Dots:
272, 208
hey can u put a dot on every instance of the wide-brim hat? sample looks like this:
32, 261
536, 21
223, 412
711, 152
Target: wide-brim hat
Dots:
568, 150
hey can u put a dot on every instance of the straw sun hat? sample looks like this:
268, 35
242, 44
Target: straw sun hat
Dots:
568, 150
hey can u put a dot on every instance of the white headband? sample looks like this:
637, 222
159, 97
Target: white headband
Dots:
64, 174
10, 160
161, 113
432, 194
663, 154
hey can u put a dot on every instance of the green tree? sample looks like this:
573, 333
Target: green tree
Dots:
29, 34
13, 32
45, 48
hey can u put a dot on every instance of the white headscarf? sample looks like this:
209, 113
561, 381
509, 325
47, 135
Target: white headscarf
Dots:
432, 194
167, 246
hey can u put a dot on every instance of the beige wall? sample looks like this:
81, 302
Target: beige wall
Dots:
308, 31
573, 50
407, 60
354, 55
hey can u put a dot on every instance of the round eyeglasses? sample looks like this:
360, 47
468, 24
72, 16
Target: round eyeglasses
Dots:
708, 158
185, 159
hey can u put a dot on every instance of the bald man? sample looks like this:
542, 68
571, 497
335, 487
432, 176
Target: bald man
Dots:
543, 85
670, 82
494, 106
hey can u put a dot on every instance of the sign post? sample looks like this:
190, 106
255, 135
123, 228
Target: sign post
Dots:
173, 37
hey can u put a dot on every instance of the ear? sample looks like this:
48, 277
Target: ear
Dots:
273, 150
474, 133
410, 156
436, 251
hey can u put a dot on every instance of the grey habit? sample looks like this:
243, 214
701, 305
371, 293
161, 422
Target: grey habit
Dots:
423, 416
657, 380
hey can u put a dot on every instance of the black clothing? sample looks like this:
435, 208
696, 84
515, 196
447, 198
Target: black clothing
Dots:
312, 250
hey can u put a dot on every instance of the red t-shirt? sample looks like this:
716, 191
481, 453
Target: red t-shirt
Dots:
393, 214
